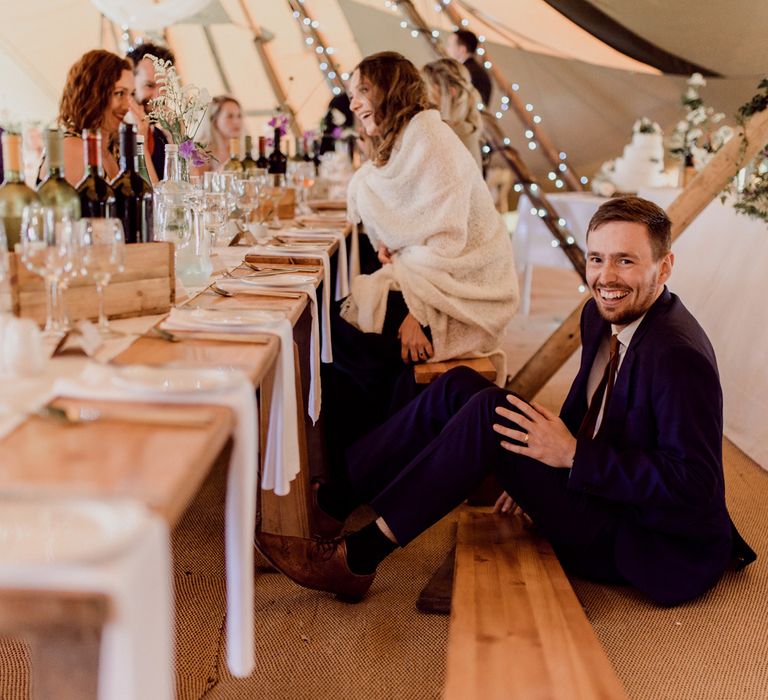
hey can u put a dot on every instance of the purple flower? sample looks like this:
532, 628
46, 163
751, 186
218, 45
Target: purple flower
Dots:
279, 122
310, 135
190, 151
336, 133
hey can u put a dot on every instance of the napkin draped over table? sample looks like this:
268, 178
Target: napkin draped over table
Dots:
97, 382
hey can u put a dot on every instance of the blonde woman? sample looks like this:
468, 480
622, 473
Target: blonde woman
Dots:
224, 120
454, 96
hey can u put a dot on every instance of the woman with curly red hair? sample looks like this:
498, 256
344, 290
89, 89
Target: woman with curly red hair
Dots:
97, 95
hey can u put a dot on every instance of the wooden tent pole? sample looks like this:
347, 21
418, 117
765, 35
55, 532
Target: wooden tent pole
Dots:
512, 158
301, 12
688, 205
265, 54
551, 153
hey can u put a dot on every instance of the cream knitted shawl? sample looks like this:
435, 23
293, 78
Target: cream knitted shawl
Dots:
452, 254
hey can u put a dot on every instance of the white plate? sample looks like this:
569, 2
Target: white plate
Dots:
46, 531
171, 380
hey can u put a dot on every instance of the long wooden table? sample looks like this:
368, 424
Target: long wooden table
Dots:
163, 466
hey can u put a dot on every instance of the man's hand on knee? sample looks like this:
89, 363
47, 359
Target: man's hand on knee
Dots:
538, 433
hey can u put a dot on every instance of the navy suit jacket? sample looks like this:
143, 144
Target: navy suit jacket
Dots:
658, 453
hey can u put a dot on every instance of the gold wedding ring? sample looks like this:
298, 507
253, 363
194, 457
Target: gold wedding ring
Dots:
525, 439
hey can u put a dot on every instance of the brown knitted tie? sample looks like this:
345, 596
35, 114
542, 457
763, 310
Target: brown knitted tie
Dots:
604, 388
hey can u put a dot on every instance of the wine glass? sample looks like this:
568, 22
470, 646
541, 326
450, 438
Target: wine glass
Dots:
47, 250
277, 185
102, 244
215, 211
247, 197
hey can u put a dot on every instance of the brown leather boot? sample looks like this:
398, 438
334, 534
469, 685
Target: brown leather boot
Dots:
323, 524
318, 564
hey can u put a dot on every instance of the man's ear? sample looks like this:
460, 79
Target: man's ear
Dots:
665, 270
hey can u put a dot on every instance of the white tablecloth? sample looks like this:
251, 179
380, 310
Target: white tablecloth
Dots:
533, 241
720, 274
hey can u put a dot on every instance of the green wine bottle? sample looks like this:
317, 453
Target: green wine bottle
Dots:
133, 196
97, 198
14, 194
141, 163
55, 191
233, 165
250, 169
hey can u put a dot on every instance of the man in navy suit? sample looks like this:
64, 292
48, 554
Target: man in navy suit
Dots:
627, 482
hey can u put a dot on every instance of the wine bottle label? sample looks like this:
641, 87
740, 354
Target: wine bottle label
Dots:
12, 152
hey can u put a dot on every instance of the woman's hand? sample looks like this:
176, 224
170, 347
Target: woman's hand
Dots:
414, 344
505, 505
384, 254
138, 117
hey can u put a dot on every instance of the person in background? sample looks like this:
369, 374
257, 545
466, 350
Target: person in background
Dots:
456, 98
98, 94
626, 483
147, 89
339, 116
224, 121
461, 45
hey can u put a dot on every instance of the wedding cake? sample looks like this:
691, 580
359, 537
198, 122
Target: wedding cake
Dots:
642, 163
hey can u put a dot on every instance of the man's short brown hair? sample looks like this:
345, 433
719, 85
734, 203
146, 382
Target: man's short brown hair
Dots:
641, 211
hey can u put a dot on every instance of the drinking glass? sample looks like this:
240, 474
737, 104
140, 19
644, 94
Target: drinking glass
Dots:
47, 250
215, 212
102, 244
3, 253
247, 197
277, 185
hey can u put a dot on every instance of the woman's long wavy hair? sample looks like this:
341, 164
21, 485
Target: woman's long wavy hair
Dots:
88, 90
399, 94
458, 97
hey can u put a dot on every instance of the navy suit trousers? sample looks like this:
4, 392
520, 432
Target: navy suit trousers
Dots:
430, 455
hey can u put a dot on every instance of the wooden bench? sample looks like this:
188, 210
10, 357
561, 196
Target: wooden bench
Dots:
427, 372
517, 629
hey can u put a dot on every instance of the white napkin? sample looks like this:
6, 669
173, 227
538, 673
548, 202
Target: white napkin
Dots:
342, 273
136, 657
98, 382
298, 283
312, 253
281, 458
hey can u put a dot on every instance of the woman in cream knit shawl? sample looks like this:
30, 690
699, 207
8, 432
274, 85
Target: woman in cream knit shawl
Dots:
429, 213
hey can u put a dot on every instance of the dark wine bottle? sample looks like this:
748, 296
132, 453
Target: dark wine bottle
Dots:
262, 162
133, 196
14, 194
307, 158
97, 198
55, 191
316, 157
278, 163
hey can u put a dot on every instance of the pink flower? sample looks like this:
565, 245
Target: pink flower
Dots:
189, 151
279, 122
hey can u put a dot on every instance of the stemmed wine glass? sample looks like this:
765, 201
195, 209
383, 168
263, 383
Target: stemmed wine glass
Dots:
277, 185
247, 197
102, 243
48, 249
215, 211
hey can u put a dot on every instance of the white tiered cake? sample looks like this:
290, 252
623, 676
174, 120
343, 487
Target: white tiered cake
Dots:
642, 164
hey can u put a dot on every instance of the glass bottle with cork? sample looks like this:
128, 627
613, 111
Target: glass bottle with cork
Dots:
133, 196
55, 191
233, 165
97, 198
14, 193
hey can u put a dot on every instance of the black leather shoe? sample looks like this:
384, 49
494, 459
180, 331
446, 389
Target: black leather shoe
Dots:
322, 524
317, 564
